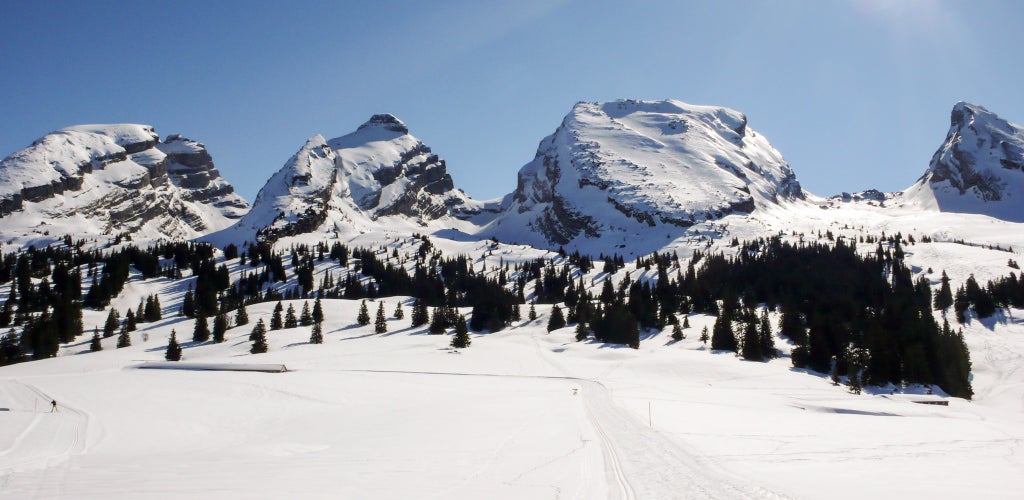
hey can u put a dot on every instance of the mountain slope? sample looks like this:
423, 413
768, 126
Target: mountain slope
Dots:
378, 176
92, 180
978, 169
615, 170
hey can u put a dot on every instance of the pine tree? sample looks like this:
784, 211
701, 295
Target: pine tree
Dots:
124, 339
686, 322
765, 337
290, 321
258, 338
241, 316
532, 315
399, 314
110, 326
704, 337
318, 311
363, 318
129, 321
438, 321
722, 336
944, 299
516, 314
461, 339
581, 332
317, 337
677, 333
751, 343
220, 327
306, 318
380, 324
188, 304
201, 333
275, 319
173, 349
420, 315
556, 320
95, 344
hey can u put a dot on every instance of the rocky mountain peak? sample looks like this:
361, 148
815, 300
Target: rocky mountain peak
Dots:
385, 121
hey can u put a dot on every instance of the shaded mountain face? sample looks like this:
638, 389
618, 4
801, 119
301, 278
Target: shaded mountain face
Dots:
109, 179
617, 168
979, 168
356, 181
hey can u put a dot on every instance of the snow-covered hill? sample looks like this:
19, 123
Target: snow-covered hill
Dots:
978, 169
101, 180
378, 176
617, 170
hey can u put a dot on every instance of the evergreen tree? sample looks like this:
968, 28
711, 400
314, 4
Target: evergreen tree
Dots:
188, 304
258, 338
306, 318
722, 336
380, 324
686, 322
765, 337
581, 331
944, 299
290, 321
516, 314
677, 333
95, 344
363, 318
751, 343
129, 321
317, 337
220, 327
438, 321
124, 339
318, 311
704, 337
556, 320
461, 338
399, 314
532, 315
275, 319
201, 333
420, 315
241, 316
857, 361
173, 349
110, 326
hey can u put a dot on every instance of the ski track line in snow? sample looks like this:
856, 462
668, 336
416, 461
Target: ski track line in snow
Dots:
44, 448
659, 467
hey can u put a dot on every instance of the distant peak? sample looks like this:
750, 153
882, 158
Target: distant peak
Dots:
385, 121
964, 112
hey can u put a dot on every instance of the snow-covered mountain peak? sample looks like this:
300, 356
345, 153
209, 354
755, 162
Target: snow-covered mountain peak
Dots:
614, 169
91, 180
385, 121
979, 168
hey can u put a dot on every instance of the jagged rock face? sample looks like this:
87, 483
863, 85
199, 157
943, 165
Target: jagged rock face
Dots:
109, 179
979, 167
612, 166
378, 171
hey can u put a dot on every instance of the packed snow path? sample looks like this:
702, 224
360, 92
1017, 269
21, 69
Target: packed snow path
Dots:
33, 463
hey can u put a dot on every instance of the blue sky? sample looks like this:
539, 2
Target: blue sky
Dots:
856, 94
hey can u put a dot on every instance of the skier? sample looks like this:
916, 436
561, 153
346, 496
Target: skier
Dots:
53, 406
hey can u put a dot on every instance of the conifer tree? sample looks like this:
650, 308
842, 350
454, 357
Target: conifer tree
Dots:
380, 324
110, 326
581, 331
139, 316
95, 344
173, 349
290, 321
399, 314
124, 339
306, 318
704, 337
751, 343
363, 318
241, 316
532, 315
220, 327
557, 320
317, 337
722, 336
944, 299
420, 315
275, 319
259, 338
318, 311
201, 332
516, 314
438, 321
129, 321
188, 304
677, 332
686, 322
765, 337
461, 338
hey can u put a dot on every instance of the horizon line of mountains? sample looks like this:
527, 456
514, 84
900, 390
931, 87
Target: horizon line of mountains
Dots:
611, 173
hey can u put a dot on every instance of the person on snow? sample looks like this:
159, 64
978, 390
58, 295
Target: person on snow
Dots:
53, 406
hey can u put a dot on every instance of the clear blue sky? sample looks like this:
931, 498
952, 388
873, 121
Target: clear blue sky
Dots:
854, 93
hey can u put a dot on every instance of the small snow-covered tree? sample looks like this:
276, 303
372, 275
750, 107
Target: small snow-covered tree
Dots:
461, 338
363, 318
380, 324
201, 333
173, 349
317, 337
95, 344
276, 323
556, 320
399, 314
220, 327
290, 321
259, 338
241, 316
306, 318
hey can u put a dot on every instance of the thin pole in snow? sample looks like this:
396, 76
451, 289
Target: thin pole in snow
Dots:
650, 419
